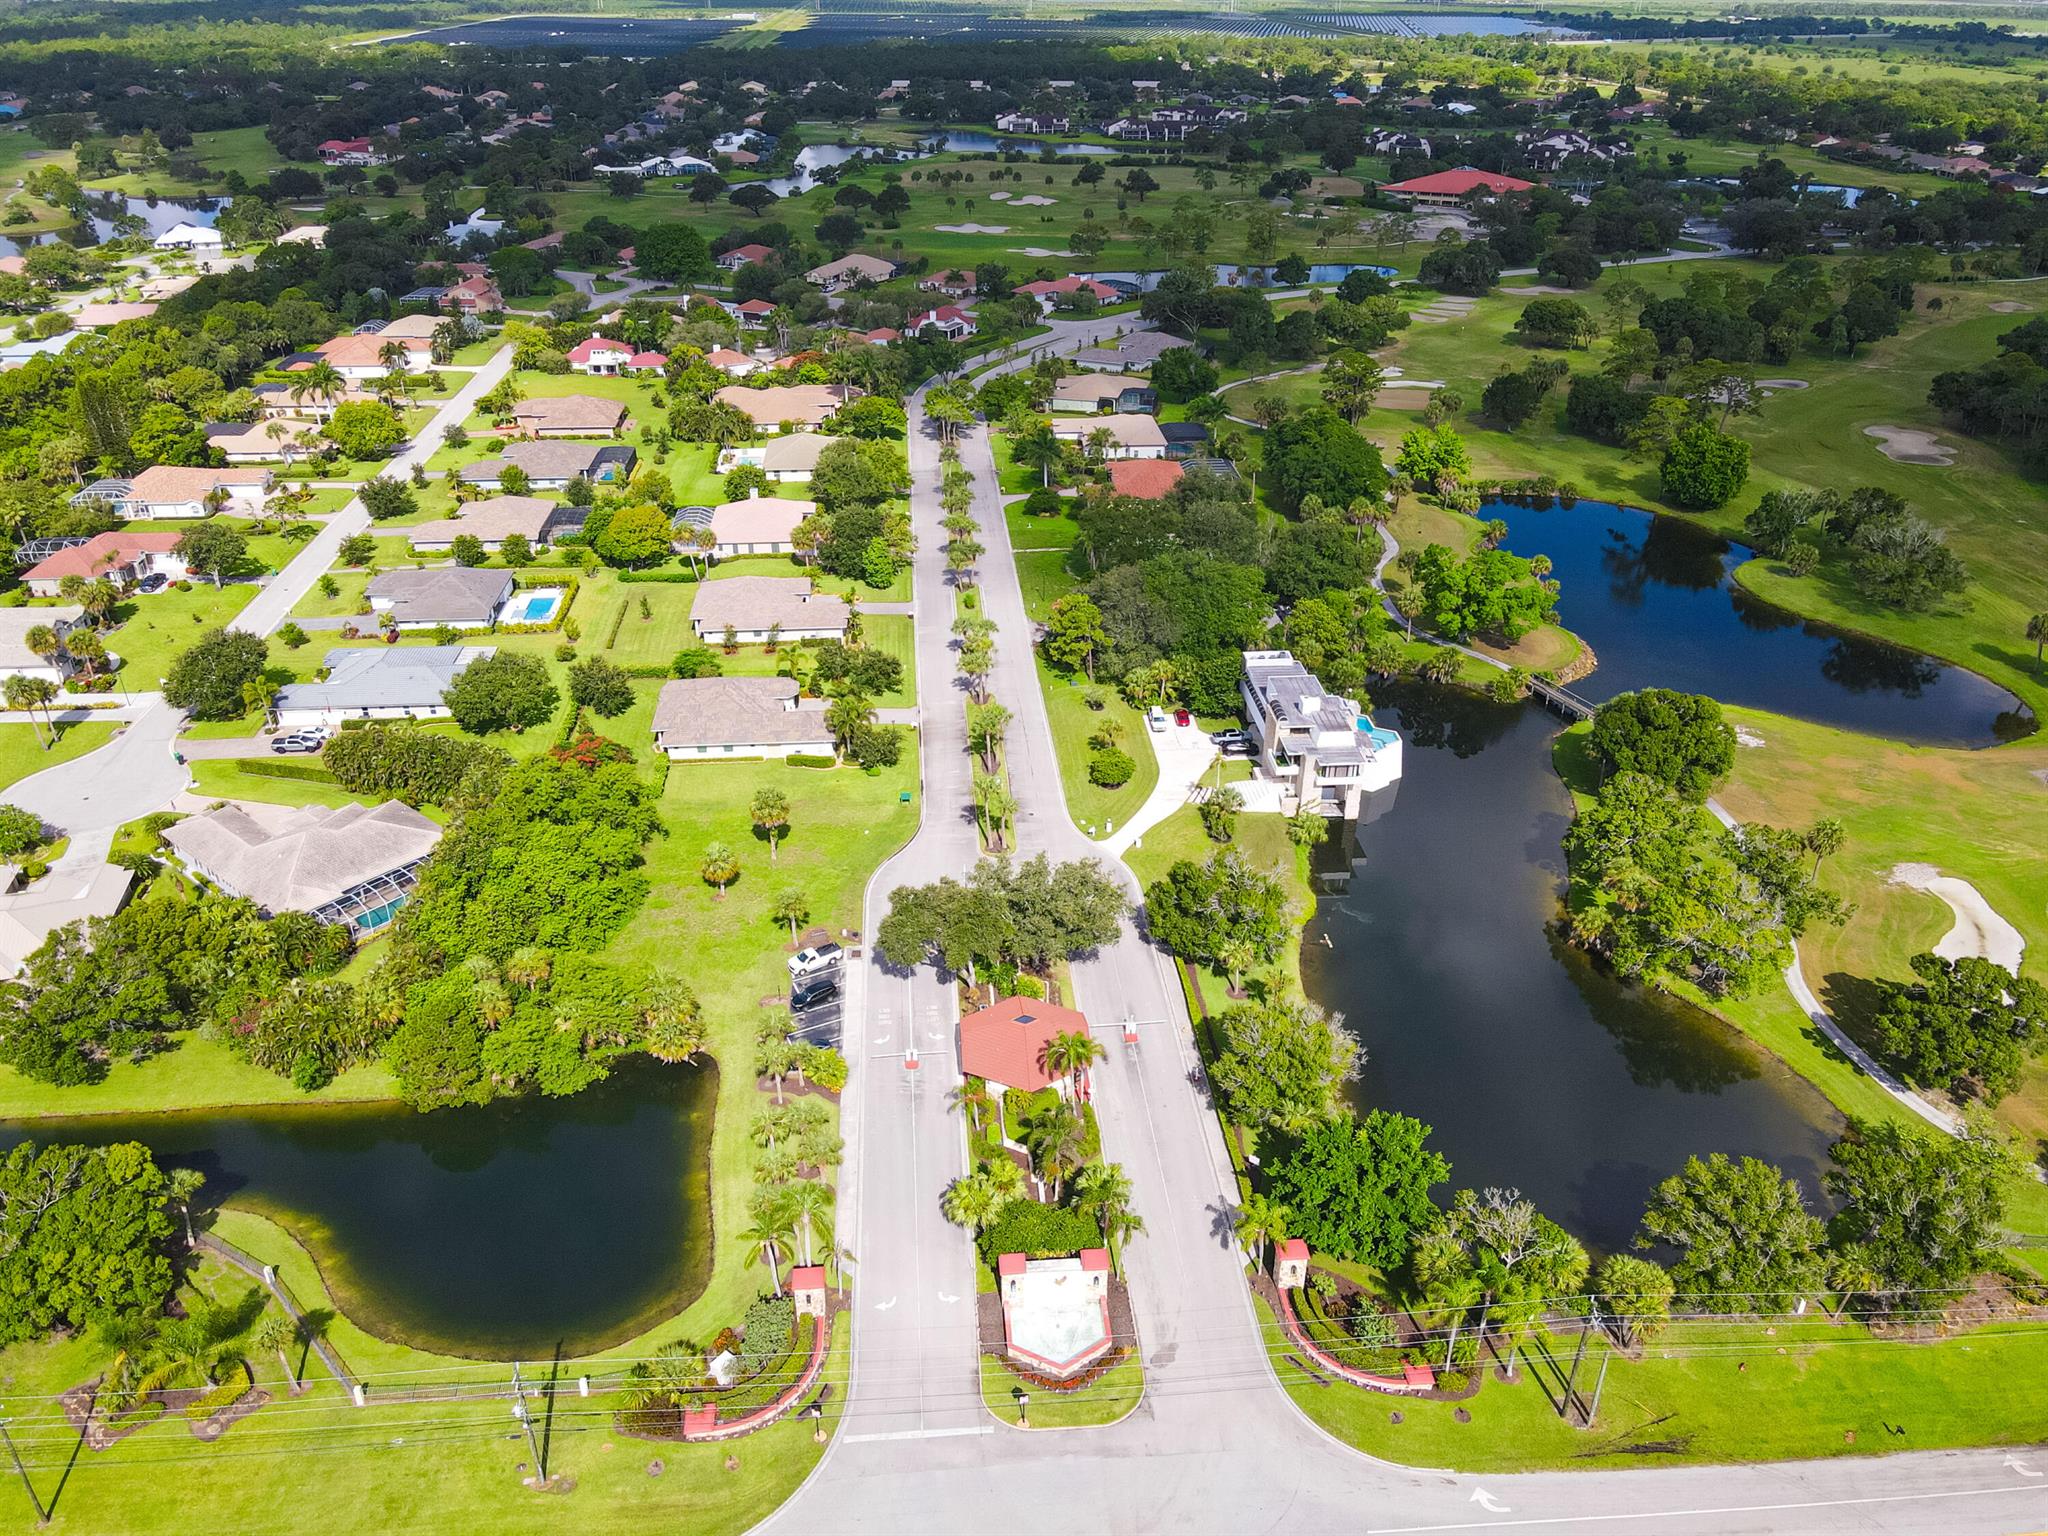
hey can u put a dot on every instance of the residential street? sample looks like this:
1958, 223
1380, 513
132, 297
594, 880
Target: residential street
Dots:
1215, 1445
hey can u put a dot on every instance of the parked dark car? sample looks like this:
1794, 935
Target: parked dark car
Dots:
810, 993
155, 583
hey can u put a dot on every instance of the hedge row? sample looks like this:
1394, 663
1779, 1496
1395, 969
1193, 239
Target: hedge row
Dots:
677, 576
278, 768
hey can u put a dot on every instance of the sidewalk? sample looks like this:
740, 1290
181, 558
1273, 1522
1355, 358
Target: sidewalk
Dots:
1184, 753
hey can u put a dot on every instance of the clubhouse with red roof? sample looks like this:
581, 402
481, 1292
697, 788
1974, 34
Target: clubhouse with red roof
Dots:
1448, 189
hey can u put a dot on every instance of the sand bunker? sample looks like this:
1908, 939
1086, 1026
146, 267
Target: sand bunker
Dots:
1979, 932
972, 229
1033, 200
1781, 384
1401, 399
999, 197
1035, 250
1907, 445
1539, 288
2011, 307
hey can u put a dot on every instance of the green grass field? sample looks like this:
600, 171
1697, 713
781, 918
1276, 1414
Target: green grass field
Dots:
1111, 1396
27, 749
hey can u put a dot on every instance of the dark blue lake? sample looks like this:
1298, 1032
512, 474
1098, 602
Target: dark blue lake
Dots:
1655, 599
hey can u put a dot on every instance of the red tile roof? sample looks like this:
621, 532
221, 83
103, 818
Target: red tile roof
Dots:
1147, 479
1294, 1248
101, 553
1457, 183
807, 1277
1094, 1258
1006, 1041
585, 350
1010, 1264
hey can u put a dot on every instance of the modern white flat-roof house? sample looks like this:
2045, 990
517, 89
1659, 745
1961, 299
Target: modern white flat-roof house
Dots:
353, 865
399, 682
199, 239
717, 717
1323, 749
754, 607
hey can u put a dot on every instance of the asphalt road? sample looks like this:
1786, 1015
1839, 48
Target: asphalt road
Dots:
1214, 1445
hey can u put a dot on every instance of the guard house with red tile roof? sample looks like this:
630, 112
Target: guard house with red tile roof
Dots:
1448, 189
1004, 1043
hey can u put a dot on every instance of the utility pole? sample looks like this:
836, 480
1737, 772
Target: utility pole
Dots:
526, 1422
1571, 1387
1598, 1382
42, 1514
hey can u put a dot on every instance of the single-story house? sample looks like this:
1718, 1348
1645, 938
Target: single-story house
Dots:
303, 234
445, 594
1449, 189
740, 255
1130, 437
600, 356
1140, 350
702, 717
199, 239
570, 416
399, 682
123, 557
1146, 479
733, 364
958, 281
17, 660
362, 356
949, 320
786, 456
1004, 1044
551, 464
99, 317
492, 522
1050, 293
805, 406
278, 400
849, 270
1104, 391
759, 525
253, 442
753, 314
178, 490
355, 865
754, 606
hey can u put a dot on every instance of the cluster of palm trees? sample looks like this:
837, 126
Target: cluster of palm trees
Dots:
196, 1350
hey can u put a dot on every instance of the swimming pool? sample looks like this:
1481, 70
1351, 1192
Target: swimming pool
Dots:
537, 606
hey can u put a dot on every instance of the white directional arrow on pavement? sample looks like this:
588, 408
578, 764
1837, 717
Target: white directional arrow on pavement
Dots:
1488, 1502
883, 1306
944, 1297
2021, 1467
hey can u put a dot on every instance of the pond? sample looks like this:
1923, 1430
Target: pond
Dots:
501, 1231
1655, 599
974, 142
155, 215
1536, 1069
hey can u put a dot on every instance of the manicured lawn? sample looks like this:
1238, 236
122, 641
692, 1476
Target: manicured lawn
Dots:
731, 950
1712, 1392
898, 591
1038, 533
396, 1464
1104, 1400
1418, 524
199, 1071
1976, 815
887, 632
223, 779
22, 749
1096, 811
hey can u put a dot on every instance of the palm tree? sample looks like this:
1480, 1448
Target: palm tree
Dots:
2037, 631
1261, 1220
1039, 449
44, 641
528, 966
765, 1238
1105, 1190
1070, 1054
1439, 666
674, 1019
845, 716
30, 695
1237, 956
973, 1100
1055, 1138
810, 1205
997, 804
720, 866
184, 1187
791, 907
280, 1333
188, 1346
771, 816
972, 1201
1006, 1176
322, 381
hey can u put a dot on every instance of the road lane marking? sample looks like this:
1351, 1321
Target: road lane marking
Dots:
1692, 1514
921, 1434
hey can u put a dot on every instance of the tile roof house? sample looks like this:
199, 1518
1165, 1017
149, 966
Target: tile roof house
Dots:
474, 296
958, 281
391, 682
740, 255
492, 522
804, 405
786, 456
1130, 437
570, 416
849, 270
759, 525
273, 399
354, 865
1094, 391
253, 442
600, 356
753, 313
734, 364
754, 605
702, 717
17, 660
178, 490
1050, 292
1140, 349
123, 557
99, 317
359, 357
1146, 479
552, 463
949, 320
1448, 188
444, 594
1004, 1043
